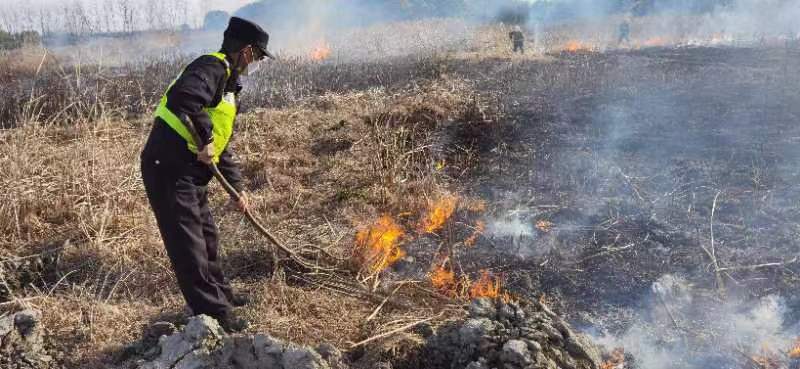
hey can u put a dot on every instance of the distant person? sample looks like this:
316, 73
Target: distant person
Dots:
517, 39
624, 32
175, 168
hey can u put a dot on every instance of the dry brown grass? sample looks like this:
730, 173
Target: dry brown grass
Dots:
80, 242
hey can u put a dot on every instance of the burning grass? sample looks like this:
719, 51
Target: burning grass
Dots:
378, 245
320, 52
462, 287
439, 213
616, 360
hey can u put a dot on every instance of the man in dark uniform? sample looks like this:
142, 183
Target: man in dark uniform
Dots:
517, 39
175, 169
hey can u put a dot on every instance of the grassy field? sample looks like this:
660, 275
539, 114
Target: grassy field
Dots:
578, 177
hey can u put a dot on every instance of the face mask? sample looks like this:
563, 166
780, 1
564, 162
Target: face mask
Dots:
251, 68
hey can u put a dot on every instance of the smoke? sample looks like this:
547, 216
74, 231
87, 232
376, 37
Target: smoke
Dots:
680, 327
513, 227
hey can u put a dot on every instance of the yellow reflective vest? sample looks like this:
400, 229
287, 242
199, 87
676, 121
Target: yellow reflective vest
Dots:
222, 117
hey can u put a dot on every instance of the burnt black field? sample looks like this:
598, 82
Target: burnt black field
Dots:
677, 162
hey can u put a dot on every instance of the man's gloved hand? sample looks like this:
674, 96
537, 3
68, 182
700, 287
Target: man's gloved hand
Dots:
206, 153
242, 205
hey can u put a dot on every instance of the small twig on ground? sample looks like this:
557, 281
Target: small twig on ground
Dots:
712, 254
759, 266
20, 301
383, 303
669, 311
607, 251
393, 332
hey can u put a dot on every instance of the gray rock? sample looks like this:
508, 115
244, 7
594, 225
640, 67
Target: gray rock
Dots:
511, 312
22, 341
533, 346
203, 329
473, 329
516, 352
299, 357
197, 359
190, 348
544, 362
552, 333
581, 347
483, 308
238, 352
476, 365
330, 354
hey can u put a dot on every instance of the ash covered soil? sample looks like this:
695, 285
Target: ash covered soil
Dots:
647, 190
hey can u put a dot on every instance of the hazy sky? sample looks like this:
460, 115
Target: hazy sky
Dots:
228, 5
16, 15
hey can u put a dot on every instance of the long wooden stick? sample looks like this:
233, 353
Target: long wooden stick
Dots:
236, 196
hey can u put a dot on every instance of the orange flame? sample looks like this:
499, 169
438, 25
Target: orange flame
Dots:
439, 213
575, 46
655, 41
794, 352
486, 286
378, 244
480, 227
616, 361
767, 358
444, 280
544, 225
320, 52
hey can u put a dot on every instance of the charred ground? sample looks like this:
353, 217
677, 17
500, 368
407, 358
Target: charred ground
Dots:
629, 157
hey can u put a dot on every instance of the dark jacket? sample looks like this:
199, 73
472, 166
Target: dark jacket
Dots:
516, 36
201, 85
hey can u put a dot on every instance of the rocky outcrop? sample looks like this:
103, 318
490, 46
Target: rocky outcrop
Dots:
22, 342
202, 344
508, 336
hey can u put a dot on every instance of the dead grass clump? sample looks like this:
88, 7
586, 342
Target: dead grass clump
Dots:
91, 333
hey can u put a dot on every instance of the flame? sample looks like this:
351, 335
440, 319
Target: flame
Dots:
767, 358
439, 213
655, 41
616, 361
480, 227
486, 286
575, 46
320, 52
794, 352
544, 225
444, 280
378, 244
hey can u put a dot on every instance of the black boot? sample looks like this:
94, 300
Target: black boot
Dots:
239, 300
232, 323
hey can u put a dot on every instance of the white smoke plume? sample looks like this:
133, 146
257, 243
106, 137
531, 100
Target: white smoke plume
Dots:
681, 327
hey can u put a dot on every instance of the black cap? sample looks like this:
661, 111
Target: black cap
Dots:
250, 33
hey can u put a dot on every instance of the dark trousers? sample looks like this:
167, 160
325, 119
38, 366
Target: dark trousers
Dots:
519, 46
190, 237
